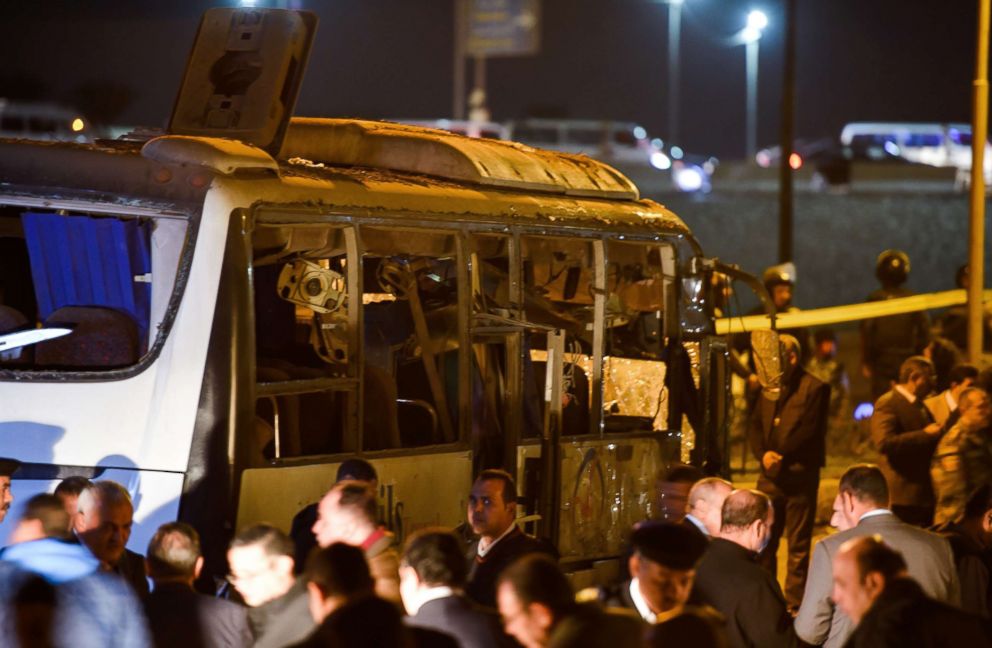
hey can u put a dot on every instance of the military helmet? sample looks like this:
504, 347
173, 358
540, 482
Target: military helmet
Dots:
783, 273
892, 267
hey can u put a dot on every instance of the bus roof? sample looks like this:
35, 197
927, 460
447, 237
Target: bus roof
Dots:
369, 166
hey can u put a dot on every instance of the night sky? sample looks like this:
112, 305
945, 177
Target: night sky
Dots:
856, 60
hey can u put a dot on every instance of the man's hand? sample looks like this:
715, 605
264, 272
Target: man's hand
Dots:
934, 429
771, 462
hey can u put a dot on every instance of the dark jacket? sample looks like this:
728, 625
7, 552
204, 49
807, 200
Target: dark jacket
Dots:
903, 616
283, 620
483, 571
131, 568
471, 625
699, 627
372, 622
178, 617
589, 626
748, 596
795, 426
974, 563
905, 449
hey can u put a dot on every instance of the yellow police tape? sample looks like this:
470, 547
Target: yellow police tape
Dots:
850, 313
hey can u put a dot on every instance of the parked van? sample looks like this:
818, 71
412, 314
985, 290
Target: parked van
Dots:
42, 121
932, 144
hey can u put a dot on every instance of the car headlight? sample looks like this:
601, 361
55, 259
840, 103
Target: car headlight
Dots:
660, 161
688, 179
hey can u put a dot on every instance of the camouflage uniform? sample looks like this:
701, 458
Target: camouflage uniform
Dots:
961, 463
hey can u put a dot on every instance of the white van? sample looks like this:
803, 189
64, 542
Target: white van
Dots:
932, 144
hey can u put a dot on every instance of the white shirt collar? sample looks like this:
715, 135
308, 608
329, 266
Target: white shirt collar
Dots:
426, 596
699, 525
642, 606
951, 403
484, 549
908, 395
874, 513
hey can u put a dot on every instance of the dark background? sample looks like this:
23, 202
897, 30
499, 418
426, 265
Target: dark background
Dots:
890, 60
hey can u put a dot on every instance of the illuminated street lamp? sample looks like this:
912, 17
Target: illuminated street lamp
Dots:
750, 36
674, 37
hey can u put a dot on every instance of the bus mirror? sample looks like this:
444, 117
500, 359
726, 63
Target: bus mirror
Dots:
244, 75
767, 362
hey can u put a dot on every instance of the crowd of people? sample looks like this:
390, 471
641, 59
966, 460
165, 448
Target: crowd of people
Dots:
67, 579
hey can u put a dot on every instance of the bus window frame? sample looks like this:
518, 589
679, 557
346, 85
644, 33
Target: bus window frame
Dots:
269, 214
295, 215
190, 215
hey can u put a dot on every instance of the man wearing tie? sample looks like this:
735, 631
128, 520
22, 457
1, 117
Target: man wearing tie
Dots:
906, 436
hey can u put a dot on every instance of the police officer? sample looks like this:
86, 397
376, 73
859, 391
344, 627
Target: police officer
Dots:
887, 341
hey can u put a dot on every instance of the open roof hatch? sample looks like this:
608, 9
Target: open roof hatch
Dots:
244, 75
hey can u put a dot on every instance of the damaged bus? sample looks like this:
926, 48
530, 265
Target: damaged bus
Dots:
217, 316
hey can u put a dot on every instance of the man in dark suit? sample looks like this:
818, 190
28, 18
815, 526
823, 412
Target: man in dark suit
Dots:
787, 433
179, 617
492, 514
103, 524
432, 575
662, 567
890, 609
906, 436
860, 509
342, 601
729, 579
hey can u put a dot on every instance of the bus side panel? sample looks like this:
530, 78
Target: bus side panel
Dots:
607, 486
415, 491
224, 407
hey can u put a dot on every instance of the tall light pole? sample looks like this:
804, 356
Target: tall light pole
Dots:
751, 35
674, 38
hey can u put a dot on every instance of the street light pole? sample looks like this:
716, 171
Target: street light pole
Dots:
979, 137
756, 21
751, 59
674, 39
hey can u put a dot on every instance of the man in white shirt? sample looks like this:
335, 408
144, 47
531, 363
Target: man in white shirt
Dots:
662, 568
944, 406
863, 507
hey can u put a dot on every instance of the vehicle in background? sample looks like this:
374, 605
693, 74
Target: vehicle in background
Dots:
623, 145
929, 143
488, 130
39, 120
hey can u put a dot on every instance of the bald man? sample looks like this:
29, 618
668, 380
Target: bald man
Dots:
871, 585
729, 579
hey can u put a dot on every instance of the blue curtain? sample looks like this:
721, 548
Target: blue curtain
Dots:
84, 261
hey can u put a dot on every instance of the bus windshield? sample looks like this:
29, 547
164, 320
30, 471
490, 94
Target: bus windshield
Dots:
94, 288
